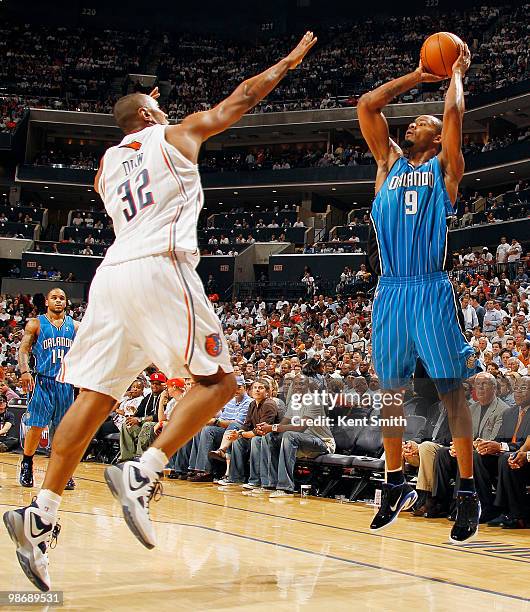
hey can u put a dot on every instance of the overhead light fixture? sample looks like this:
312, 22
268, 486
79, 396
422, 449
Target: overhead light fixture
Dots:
477, 179
220, 203
333, 189
46, 187
274, 191
89, 189
92, 200
275, 201
236, 192
52, 197
512, 171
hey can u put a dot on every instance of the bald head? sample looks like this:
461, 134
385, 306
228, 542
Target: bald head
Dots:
137, 111
434, 121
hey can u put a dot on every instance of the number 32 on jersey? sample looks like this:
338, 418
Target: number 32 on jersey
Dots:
142, 200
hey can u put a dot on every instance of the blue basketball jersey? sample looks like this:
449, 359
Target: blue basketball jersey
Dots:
409, 216
52, 344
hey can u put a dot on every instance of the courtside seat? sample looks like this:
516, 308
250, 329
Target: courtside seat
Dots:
368, 463
334, 459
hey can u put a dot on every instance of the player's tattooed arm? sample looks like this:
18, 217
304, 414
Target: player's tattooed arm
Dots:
373, 123
31, 331
451, 157
196, 128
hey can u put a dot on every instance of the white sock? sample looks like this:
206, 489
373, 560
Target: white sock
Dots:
154, 459
49, 503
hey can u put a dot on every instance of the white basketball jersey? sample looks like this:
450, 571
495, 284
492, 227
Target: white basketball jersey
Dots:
153, 195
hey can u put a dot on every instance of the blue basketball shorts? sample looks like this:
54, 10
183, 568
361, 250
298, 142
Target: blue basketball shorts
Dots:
49, 402
413, 317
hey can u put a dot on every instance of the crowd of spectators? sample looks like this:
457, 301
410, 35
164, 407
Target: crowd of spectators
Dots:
306, 155
64, 159
497, 142
72, 68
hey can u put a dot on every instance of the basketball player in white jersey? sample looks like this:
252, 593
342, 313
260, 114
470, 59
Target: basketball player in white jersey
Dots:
146, 305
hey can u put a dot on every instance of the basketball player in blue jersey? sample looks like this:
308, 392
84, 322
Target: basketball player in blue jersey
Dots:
414, 311
48, 337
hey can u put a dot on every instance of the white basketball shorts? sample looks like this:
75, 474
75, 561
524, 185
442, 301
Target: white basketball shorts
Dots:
148, 310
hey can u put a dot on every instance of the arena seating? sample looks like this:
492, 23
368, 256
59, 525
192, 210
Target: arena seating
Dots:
76, 68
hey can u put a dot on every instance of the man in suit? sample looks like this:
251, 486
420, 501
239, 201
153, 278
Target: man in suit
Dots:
421, 453
488, 454
514, 468
486, 414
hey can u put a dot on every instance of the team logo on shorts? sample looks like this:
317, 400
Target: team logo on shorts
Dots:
471, 361
213, 345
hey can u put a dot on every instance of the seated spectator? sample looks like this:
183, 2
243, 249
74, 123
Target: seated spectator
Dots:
240, 400
487, 455
247, 441
511, 496
486, 414
421, 452
232, 417
8, 435
139, 428
296, 435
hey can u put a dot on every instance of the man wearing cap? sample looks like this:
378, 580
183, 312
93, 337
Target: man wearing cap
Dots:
487, 257
145, 416
8, 441
232, 417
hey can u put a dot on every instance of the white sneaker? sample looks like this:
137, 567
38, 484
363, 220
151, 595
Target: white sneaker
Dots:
255, 491
282, 493
134, 486
32, 536
247, 485
224, 482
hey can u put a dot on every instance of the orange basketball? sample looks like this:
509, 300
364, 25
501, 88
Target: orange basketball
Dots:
439, 52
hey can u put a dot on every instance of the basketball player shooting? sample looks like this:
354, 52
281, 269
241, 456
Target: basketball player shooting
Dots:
414, 311
146, 305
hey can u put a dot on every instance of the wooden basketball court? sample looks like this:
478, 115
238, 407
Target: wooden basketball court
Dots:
221, 550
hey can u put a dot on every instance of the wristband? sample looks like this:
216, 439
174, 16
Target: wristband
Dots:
240, 433
528, 456
275, 428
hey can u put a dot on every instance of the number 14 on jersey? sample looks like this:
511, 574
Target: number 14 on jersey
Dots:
57, 355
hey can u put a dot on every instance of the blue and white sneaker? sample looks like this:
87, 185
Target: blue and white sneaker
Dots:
394, 499
32, 536
135, 486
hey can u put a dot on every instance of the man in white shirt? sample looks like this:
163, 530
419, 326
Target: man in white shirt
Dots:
514, 256
502, 254
470, 315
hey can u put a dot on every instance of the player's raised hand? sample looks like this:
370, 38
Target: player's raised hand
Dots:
463, 61
27, 383
427, 77
299, 52
155, 93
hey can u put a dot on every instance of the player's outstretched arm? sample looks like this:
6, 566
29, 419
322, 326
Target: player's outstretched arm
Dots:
451, 156
201, 126
31, 331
